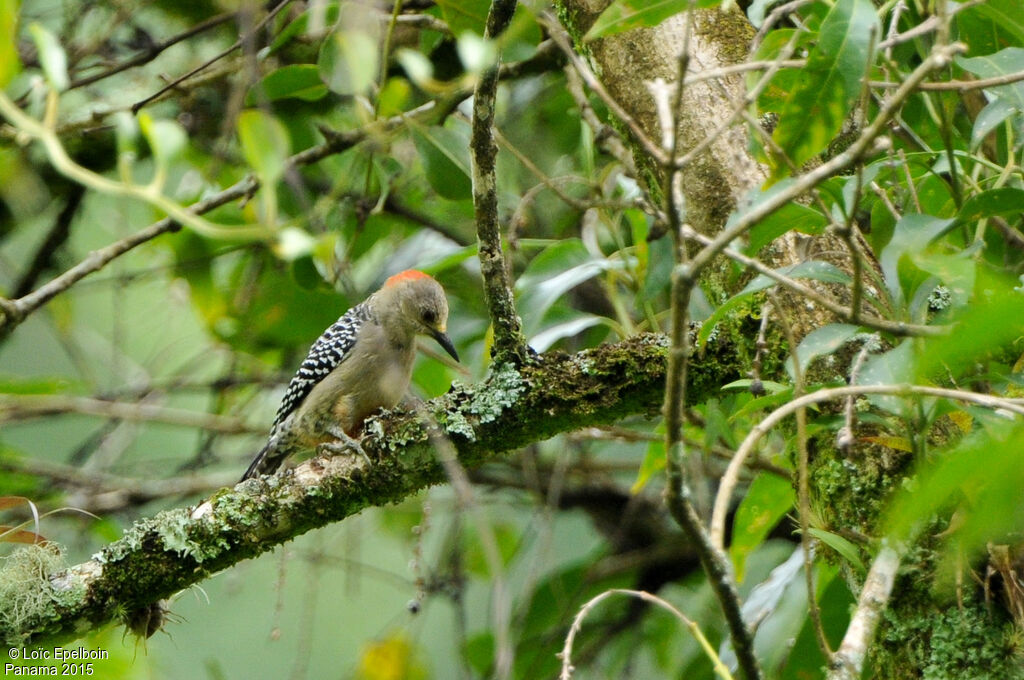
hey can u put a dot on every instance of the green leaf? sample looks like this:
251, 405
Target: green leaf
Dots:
821, 341
1001, 63
393, 97
774, 95
475, 53
955, 270
465, 15
126, 130
293, 243
265, 144
805, 659
553, 273
891, 368
297, 81
10, 64
301, 25
831, 82
994, 114
1005, 201
349, 60
478, 651
417, 66
767, 501
990, 25
845, 548
981, 477
542, 341
507, 538
37, 385
791, 216
912, 233
652, 464
51, 56
774, 398
166, 138
989, 324
757, 10
625, 15
812, 269
769, 386
445, 155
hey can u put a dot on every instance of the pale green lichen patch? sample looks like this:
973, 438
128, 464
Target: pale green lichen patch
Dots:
455, 422
168, 529
504, 387
26, 593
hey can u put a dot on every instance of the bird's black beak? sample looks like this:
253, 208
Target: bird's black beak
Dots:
445, 342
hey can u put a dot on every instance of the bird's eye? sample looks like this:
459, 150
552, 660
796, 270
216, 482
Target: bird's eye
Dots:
429, 316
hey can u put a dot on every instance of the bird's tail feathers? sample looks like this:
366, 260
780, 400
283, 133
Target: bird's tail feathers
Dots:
265, 462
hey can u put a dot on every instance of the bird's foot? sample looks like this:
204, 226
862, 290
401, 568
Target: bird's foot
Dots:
343, 444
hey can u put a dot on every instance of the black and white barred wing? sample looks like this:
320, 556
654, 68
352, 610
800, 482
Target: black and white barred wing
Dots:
326, 354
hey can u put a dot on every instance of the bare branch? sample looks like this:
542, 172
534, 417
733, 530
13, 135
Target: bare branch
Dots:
577, 624
27, 406
959, 85
849, 659
561, 39
213, 60
154, 50
509, 344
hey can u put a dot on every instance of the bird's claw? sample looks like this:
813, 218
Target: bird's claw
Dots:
343, 444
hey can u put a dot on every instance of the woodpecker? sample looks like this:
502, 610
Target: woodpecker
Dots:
362, 363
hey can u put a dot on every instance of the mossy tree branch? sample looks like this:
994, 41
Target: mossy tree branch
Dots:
514, 407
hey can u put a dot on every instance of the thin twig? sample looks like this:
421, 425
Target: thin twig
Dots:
760, 347
15, 311
55, 238
722, 71
605, 135
561, 39
844, 436
212, 60
731, 476
30, 406
740, 108
154, 50
803, 485
959, 85
577, 624
101, 492
44, 132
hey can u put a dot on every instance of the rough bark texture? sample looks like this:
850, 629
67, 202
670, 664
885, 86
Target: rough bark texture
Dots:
628, 62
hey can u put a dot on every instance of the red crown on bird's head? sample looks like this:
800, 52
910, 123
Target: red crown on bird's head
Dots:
407, 275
